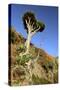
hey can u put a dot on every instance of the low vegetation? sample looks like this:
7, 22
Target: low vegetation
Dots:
26, 69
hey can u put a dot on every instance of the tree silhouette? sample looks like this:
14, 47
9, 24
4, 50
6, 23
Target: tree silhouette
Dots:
32, 26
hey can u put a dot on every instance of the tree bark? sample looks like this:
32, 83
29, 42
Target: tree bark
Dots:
28, 43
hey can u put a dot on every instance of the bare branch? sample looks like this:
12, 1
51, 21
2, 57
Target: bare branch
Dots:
36, 57
27, 24
32, 25
29, 19
35, 31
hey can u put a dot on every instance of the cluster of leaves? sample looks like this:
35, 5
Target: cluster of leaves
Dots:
26, 16
23, 59
31, 19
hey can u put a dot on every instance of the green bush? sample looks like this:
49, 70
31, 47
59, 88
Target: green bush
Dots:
23, 59
20, 60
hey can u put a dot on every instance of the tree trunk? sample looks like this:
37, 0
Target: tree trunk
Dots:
28, 43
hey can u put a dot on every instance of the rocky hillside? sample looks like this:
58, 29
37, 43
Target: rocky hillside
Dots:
35, 68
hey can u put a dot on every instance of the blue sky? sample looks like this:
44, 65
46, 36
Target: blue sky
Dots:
48, 39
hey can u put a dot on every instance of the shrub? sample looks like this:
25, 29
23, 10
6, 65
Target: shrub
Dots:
22, 60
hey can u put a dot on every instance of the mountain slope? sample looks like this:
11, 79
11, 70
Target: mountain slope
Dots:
36, 68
